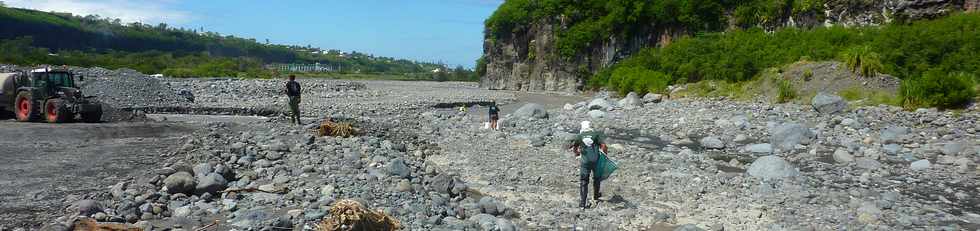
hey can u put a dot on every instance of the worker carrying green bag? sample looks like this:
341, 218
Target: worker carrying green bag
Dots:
591, 146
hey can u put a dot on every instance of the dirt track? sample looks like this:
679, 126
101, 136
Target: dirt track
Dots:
45, 167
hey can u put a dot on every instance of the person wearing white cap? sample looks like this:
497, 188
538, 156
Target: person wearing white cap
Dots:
588, 144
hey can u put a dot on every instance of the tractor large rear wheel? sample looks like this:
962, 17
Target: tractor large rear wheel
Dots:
56, 112
26, 109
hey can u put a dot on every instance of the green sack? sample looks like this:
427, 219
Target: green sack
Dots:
605, 167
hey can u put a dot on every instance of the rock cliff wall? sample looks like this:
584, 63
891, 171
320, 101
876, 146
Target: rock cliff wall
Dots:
528, 60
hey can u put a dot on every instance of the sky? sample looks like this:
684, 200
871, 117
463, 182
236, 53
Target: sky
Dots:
448, 31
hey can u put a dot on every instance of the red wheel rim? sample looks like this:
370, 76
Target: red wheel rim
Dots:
52, 112
25, 106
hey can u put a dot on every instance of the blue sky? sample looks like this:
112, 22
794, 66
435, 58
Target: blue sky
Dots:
450, 31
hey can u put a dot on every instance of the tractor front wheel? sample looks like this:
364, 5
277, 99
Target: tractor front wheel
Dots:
93, 115
56, 112
25, 108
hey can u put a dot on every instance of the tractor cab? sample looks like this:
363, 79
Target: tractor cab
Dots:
50, 83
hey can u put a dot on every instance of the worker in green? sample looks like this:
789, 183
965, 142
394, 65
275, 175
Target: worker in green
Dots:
293, 91
589, 145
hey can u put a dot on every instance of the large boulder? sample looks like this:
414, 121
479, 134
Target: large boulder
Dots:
759, 149
211, 183
180, 182
892, 134
632, 100
531, 111
712, 142
788, 135
828, 103
772, 168
600, 104
920, 165
843, 156
597, 114
399, 168
653, 98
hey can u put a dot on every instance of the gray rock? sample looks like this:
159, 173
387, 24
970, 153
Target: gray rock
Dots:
867, 163
273, 156
920, 165
788, 135
712, 142
843, 156
183, 211
486, 222
505, 225
212, 183
892, 149
489, 205
892, 134
88, 207
180, 182
249, 219
599, 104
759, 149
688, 227
772, 168
118, 190
632, 100
237, 148
652, 98
828, 103
203, 169
597, 114
868, 213
953, 148
397, 167
531, 111
276, 146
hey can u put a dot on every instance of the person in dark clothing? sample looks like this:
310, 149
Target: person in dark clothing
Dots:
588, 144
293, 91
494, 115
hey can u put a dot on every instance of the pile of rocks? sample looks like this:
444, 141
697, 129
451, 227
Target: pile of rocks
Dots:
791, 166
267, 176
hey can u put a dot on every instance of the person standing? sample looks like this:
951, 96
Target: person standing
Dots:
293, 91
588, 144
494, 115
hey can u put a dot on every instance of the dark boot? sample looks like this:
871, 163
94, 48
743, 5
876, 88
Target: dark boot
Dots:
595, 190
584, 193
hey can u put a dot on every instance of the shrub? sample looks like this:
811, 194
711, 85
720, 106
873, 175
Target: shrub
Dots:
786, 91
639, 80
937, 89
808, 74
862, 61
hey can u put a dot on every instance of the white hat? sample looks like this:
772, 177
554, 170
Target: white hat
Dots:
586, 126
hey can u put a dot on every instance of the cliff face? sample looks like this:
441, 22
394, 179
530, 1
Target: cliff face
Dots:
528, 60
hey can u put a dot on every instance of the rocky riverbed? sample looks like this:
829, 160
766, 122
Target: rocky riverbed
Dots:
685, 164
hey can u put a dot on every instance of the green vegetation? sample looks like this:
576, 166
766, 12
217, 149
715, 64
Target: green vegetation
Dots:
859, 96
639, 80
907, 51
786, 92
29, 37
938, 88
593, 20
862, 61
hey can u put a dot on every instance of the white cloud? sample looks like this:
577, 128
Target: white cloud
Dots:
145, 11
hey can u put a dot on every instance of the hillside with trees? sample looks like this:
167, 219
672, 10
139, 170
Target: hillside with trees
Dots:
30, 37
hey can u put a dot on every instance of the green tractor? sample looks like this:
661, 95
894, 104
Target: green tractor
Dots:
48, 94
